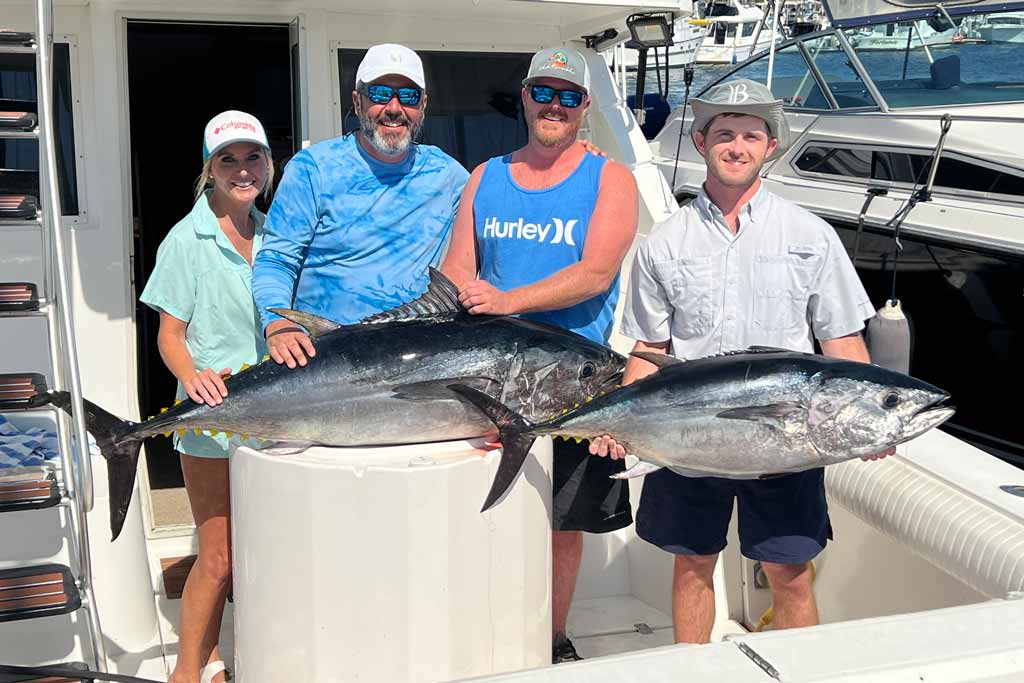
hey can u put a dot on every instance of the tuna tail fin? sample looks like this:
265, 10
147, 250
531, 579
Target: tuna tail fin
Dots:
122, 456
516, 440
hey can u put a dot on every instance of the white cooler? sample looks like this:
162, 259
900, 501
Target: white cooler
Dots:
375, 564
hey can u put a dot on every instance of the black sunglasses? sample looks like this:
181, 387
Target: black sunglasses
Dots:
382, 94
545, 94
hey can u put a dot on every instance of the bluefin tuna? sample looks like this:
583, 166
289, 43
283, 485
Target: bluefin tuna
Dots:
380, 382
746, 415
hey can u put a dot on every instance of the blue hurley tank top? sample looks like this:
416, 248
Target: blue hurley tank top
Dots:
524, 236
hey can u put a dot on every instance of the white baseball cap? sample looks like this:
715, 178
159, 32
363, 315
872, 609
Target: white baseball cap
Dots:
388, 58
229, 127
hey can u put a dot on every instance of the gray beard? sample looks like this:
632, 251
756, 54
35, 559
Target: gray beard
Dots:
371, 133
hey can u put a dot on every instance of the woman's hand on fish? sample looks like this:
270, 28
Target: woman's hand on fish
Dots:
881, 454
288, 344
605, 446
481, 297
207, 386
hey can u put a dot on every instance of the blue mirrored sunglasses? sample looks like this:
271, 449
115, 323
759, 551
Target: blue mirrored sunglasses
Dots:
382, 94
544, 94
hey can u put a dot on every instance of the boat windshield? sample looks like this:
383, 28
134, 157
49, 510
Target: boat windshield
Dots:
929, 63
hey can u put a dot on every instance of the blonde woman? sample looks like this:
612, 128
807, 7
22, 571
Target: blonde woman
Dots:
202, 288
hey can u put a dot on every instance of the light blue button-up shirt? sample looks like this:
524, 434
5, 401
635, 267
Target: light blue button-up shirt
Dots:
200, 279
783, 279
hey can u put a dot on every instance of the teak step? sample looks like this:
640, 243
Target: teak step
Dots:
22, 206
22, 390
39, 591
28, 488
18, 296
39, 678
18, 120
16, 38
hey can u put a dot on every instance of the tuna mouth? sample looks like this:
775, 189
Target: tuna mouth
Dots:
928, 418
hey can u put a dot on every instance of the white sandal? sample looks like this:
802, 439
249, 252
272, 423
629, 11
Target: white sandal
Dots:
212, 669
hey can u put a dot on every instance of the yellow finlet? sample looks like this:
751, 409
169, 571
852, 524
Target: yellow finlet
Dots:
164, 410
575, 405
168, 434
589, 399
265, 358
199, 432
564, 411
245, 366
577, 439
229, 434
181, 432
214, 432
178, 402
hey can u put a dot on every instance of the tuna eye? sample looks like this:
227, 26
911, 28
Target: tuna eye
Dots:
891, 400
587, 370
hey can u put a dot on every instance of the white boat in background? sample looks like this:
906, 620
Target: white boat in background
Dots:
925, 580
1007, 27
732, 29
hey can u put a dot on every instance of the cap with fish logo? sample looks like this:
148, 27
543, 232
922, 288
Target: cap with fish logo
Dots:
560, 62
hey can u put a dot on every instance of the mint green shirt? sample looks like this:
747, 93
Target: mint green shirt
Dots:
200, 279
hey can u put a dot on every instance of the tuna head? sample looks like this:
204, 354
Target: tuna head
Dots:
547, 379
870, 411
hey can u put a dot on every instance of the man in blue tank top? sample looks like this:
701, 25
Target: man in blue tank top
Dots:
551, 224
358, 219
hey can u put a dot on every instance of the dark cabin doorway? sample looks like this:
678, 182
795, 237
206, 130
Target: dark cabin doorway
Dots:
179, 76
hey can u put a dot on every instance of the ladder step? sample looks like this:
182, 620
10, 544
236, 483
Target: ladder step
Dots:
17, 41
37, 678
28, 488
18, 296
19, 391
18, 206
40, 591
18, 120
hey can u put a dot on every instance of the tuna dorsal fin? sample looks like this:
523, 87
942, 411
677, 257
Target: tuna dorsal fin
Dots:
441, 298
662, 360
316, 325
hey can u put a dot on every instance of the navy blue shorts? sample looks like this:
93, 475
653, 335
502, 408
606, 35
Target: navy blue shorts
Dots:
781, 519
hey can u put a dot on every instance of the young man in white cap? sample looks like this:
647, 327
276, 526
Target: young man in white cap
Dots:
358, 219
551, 224
739, 267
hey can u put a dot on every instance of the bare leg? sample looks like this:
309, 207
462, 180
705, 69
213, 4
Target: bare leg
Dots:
202, 604
566, 552
792, 595
693, 598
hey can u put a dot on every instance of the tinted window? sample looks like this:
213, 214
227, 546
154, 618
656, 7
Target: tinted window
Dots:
965, 311
474, 110
931, 63
903, 167
20, 158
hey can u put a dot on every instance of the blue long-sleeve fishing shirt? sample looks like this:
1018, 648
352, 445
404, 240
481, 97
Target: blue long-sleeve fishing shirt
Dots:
348, 236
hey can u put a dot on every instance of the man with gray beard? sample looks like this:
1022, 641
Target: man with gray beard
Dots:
551, 224
358, 219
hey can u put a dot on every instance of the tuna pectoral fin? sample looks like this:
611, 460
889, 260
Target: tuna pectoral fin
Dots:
662, 360
122, 456
437, 389
637, 470
515, 441
316, 325
773, 414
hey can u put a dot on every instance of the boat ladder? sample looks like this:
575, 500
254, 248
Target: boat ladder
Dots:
30, 200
